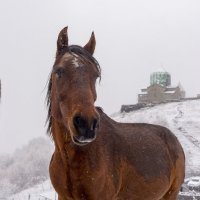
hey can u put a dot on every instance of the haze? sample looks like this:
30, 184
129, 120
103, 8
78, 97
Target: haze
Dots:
134, 39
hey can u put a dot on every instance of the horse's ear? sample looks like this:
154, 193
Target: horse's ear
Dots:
62, 41
90, 46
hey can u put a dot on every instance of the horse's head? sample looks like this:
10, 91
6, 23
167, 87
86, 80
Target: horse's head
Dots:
72, 89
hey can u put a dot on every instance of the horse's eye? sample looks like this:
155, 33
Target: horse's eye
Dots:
59, 73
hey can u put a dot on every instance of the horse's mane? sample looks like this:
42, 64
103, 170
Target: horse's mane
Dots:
85, 57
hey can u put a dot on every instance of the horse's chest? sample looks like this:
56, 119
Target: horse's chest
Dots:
80, 180
90, 182
85, 183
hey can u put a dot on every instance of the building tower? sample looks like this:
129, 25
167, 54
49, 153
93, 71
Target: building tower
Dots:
160, 78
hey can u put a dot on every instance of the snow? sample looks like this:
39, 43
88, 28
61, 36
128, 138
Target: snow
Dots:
170, 92
43, 191
182, 118
190, 193
194, 182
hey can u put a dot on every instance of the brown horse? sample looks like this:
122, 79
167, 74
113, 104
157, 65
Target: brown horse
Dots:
95, 157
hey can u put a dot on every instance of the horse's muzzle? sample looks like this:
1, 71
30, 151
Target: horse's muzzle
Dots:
86, 129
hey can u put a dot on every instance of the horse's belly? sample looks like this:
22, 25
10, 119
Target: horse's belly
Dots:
146, 190
138, 187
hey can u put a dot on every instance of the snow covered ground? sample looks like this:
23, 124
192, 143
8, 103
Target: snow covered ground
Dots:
43, 191
182, 118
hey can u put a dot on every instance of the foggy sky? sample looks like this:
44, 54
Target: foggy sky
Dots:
134, 39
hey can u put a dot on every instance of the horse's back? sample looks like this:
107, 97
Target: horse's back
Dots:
151, 137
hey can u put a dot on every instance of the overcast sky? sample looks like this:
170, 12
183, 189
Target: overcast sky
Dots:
134, 39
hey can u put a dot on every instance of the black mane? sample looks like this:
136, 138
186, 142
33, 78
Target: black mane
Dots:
85, 57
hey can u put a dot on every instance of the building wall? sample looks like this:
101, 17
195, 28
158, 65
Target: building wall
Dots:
155, 94
158, 94
142, 98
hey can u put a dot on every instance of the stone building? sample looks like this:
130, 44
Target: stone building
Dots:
160, 90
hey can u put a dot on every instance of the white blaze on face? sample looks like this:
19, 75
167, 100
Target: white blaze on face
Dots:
75, 62
73, 57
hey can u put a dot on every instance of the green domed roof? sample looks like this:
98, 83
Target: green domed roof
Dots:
161, 78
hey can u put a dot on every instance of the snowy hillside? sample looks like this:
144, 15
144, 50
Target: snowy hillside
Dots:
182, 118
43, 191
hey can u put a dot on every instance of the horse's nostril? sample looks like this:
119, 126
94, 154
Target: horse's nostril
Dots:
79, 122
95, 124
84, 127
